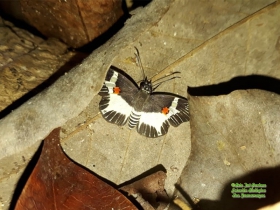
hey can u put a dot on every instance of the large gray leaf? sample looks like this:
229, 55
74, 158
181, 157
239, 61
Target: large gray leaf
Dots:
235, 139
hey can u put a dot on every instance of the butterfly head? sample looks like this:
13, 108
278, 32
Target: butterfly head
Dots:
146, 86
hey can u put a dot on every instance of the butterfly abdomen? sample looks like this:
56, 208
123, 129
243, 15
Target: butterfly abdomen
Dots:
133, 119
138, 104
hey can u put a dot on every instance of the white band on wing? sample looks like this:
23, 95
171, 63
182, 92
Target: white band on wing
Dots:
112, 83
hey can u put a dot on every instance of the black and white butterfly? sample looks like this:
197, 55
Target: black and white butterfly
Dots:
151, 112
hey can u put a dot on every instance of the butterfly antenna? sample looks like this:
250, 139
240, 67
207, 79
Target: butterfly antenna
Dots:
137, 54
158, 84
167, 75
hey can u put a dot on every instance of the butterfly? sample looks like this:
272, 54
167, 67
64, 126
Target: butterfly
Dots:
150, 112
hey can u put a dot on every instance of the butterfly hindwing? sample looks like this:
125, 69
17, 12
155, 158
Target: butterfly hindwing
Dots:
159, 111
117, 97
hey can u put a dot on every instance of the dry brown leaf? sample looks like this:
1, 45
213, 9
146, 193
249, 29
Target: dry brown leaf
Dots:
76, 23
57, 182
149, 191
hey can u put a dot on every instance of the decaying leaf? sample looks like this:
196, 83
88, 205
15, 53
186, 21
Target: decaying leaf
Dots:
26, 62
149, 191
58, 183
76, 23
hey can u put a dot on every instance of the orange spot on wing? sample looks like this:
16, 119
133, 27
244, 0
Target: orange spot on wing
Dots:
165, 110
117, 90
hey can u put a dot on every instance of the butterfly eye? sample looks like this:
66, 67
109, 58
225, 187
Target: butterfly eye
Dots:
165, 110
117, 90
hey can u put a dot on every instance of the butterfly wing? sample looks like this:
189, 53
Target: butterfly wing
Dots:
160, 111
117, 93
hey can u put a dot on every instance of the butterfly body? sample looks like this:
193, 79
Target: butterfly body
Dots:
151, 113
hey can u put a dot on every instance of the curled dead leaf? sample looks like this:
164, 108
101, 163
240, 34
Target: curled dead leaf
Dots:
58, 183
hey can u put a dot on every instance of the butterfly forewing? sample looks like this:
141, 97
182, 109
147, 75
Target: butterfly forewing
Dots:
116, 106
